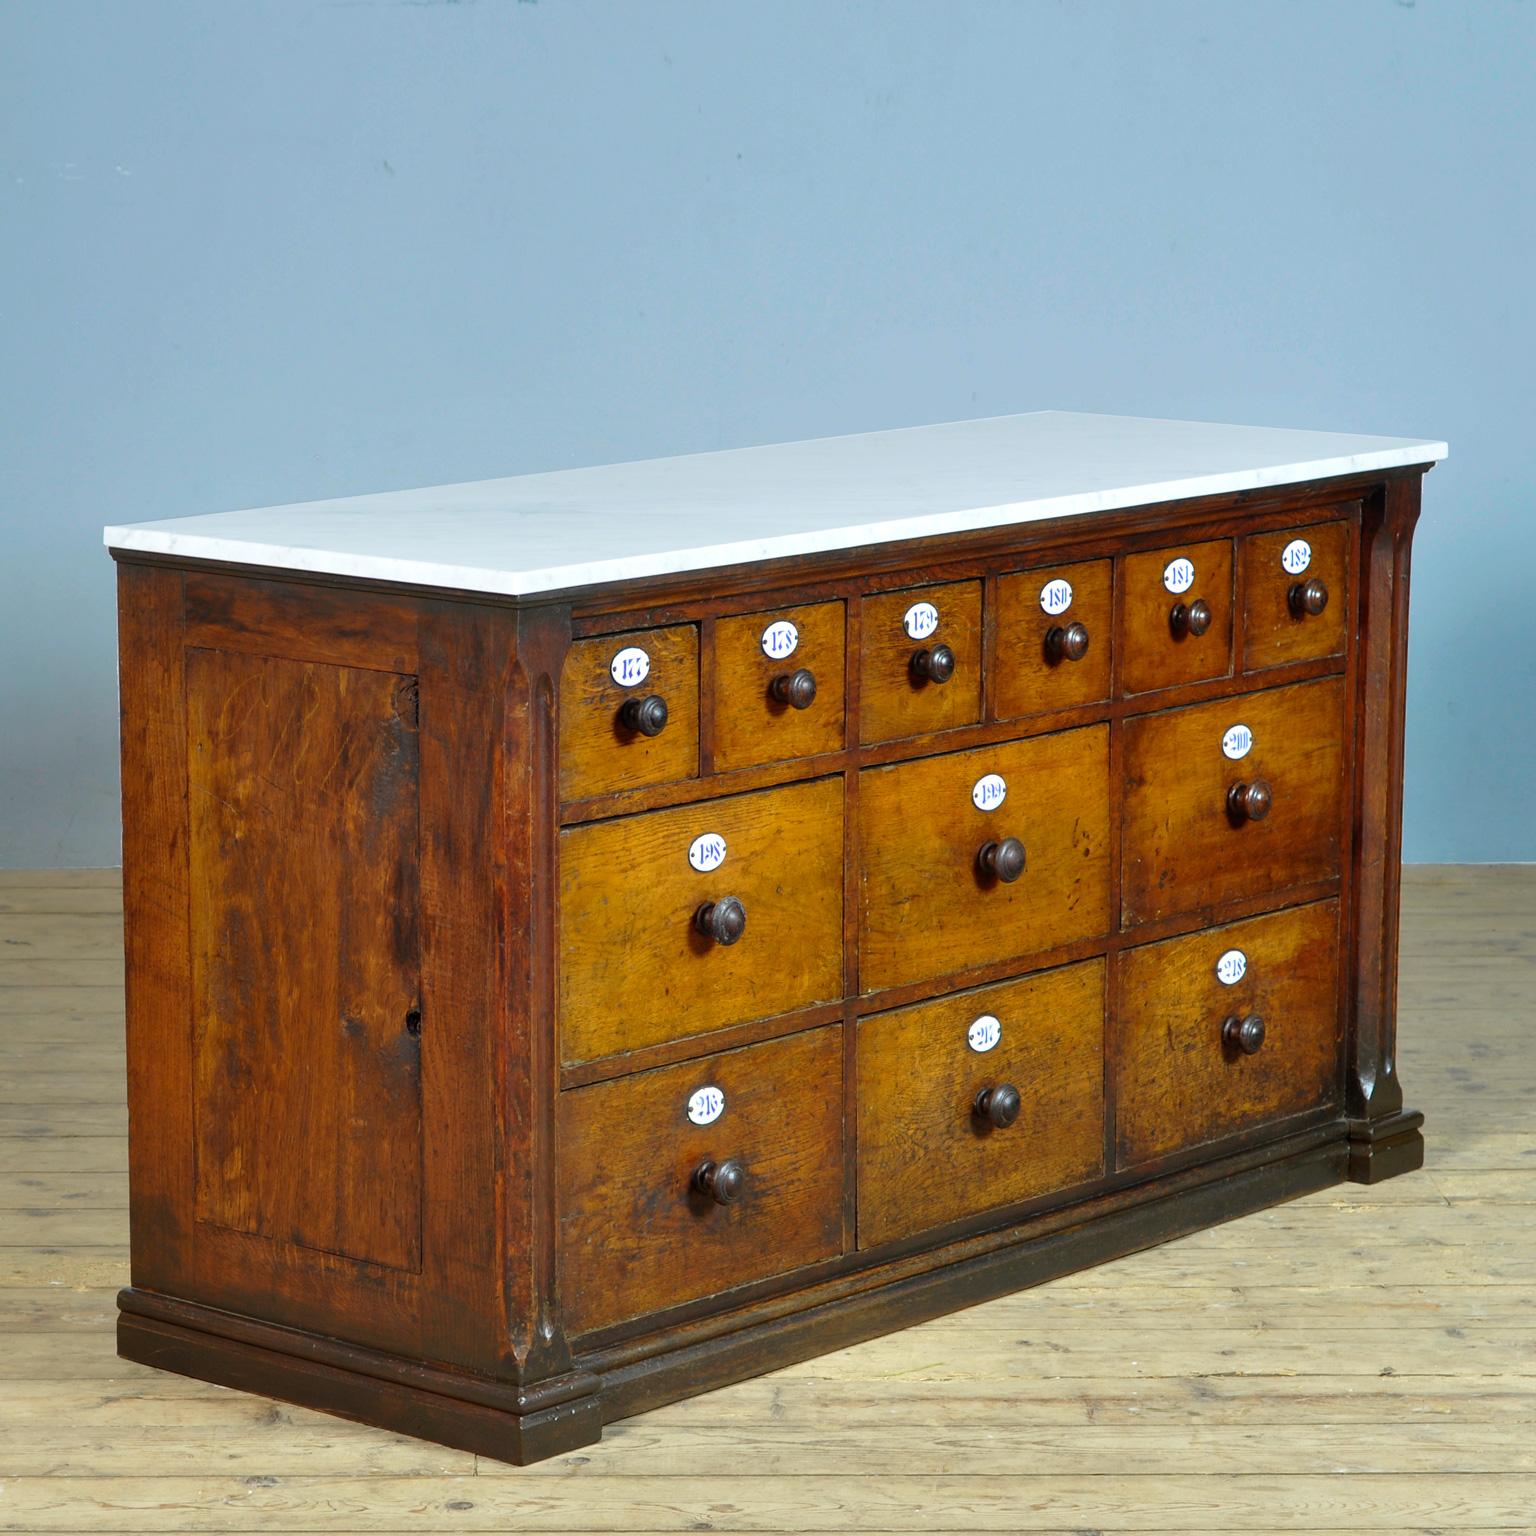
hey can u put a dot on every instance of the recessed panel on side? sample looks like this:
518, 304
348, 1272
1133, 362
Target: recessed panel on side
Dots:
303, 789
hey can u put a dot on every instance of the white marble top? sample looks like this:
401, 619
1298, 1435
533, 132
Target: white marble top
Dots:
582, 527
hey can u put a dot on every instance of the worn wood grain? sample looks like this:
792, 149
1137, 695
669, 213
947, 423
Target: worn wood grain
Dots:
1274, 632
598, 754
751, 725
1152, 656
1029, 678
925, 1156
634, 969
893, 703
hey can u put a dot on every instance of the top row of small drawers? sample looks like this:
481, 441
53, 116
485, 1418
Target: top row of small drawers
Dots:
630, 713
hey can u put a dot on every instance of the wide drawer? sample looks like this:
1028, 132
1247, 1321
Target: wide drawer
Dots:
686, 1181
1037, 810
921, 657
1297, 597
1191, 1063
1232, 799
778, 685
980, 1100
1176, 620
629, 711
650, 908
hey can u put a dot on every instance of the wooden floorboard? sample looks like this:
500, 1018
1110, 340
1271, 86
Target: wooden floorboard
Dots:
1362, 1360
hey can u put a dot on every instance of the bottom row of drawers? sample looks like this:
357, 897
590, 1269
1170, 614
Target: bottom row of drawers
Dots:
689, 1180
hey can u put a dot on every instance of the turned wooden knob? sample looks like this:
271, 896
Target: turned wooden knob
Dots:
1067, 642
722, 1182
1245, 1035
1249, 802
797, 689
647, 717
1002, 860
998, 1106
1308, 597
724, 921
1190, 618
934, 666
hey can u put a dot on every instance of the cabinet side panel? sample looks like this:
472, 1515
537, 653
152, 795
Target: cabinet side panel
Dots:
303, 806
152, 703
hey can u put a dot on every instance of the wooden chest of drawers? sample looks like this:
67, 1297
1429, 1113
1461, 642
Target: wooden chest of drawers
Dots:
592, 937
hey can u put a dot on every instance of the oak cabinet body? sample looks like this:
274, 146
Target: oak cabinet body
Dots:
543, 1006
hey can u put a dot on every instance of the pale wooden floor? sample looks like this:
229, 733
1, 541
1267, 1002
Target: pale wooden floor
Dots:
1364, 1360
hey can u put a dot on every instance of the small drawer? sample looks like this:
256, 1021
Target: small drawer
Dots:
1225, 1030
678, 922
1053, 639
982, 856
1176, 616
1232, 799
980, 1100
921, 658
682, 1182
1297, 597
613, 733
778, 685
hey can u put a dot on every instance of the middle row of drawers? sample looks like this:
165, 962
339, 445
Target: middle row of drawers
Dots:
680, 922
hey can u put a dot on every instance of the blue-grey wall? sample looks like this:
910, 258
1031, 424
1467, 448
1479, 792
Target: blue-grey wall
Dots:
254, 253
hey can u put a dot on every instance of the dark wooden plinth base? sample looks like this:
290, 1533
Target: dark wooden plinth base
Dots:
523, 1425
1382, 1149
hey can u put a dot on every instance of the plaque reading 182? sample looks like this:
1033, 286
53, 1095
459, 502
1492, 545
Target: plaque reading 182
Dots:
1296, 556
920, 621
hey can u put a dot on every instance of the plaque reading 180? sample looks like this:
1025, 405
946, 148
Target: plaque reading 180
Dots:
1056, 596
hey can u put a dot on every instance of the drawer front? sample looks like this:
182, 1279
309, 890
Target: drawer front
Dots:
904, 633
929, 907
1167, 596
936, 1141
1189, 835
1297, 594
603, 750
637, 965
1184, 1072
640, 1229
1053, 638
778, 685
